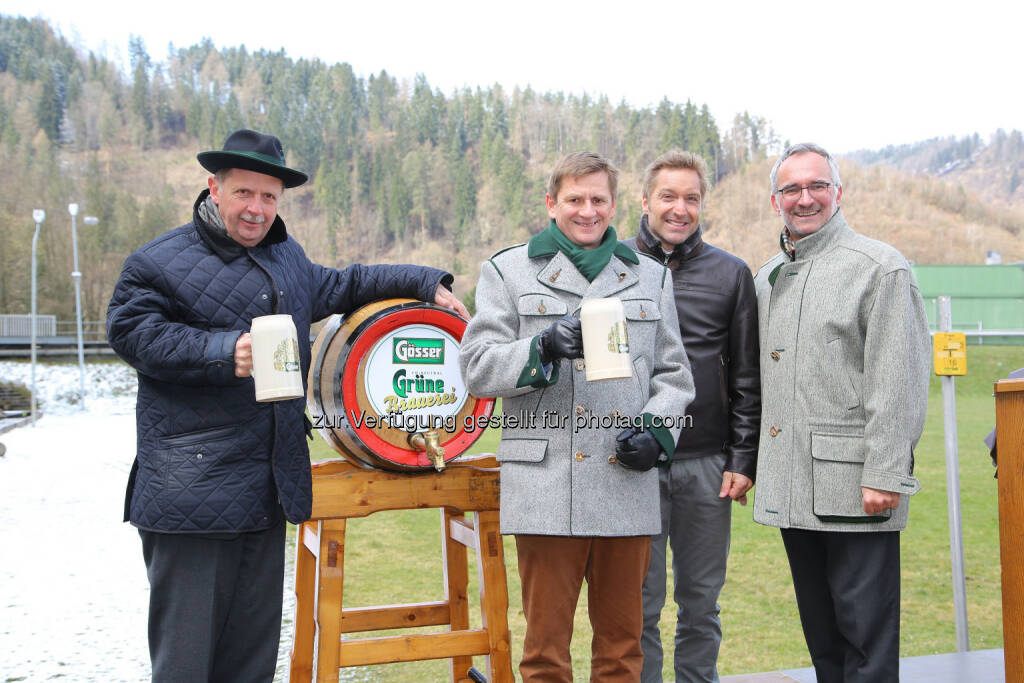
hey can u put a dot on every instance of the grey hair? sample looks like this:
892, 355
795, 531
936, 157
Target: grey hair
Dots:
803, 148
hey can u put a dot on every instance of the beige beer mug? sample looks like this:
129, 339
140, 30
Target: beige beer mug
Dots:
276, 368
605, 342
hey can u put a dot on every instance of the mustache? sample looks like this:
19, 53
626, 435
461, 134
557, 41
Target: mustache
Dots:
250, 218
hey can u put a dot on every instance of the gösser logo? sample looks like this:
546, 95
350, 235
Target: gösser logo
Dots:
418, 351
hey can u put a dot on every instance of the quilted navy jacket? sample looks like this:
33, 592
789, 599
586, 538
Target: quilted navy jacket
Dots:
209, 457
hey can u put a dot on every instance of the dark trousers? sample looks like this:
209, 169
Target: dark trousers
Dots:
552, 570
695, 522
214, 605
848, 592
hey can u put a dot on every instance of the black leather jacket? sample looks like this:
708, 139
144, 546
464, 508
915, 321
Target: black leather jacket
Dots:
717, 310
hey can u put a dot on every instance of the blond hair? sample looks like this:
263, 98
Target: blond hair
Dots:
676, 159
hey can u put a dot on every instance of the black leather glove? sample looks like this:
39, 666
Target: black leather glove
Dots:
564, 339
637, 450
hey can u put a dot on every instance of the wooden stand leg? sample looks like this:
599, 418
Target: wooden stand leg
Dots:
301, 670
494, 596
330, 575
341, 492
456, 586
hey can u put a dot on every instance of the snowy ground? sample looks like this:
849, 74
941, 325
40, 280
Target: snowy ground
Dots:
73, 589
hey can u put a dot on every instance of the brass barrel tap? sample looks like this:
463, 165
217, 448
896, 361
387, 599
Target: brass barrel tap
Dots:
429, 441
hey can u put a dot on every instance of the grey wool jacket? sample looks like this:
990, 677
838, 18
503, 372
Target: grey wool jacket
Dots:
844, 381
559, 475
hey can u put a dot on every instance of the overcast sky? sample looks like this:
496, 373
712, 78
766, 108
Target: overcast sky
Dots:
847, 75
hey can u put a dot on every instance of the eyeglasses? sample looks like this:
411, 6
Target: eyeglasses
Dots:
817, 188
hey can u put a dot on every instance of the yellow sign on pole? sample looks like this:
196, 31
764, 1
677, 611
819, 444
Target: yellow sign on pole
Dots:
950, 353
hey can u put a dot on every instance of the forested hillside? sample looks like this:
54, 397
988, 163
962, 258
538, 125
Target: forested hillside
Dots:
400, 171
929, 220
994, 168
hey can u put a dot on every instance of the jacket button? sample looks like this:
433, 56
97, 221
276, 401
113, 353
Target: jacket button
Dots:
264, 296
774, 431
199, 456
612, 460
542, 308
776, 355
580, 410
579, 456
580, 364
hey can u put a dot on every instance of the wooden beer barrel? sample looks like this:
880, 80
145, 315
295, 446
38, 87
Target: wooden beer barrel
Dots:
385, 389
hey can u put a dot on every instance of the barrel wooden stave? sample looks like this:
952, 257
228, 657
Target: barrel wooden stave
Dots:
334, 402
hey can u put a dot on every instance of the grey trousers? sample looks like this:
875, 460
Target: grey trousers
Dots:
215, 605
696, 522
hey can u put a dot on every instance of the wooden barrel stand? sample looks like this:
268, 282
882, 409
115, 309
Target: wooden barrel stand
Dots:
341, 490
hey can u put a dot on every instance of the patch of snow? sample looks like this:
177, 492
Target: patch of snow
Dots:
110, 387
73, 589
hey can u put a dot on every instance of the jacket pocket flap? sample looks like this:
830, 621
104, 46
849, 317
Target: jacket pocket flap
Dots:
837, 468
837, 447
641, 309
200, 436
541, 304
522, 450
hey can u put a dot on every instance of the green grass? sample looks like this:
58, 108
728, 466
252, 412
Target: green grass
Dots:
395, 557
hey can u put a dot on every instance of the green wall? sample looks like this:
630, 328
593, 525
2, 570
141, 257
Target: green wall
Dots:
990, 295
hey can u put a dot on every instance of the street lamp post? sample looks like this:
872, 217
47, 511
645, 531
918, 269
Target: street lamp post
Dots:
90, 221
38, 215
76, 277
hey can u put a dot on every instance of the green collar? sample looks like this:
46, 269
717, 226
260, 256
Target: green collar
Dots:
589, 262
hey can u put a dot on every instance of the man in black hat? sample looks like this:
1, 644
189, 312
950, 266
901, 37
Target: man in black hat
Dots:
216, 474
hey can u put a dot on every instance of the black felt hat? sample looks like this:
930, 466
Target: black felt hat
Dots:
254, 152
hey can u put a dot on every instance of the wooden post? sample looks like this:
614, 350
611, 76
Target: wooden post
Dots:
330, 577
493, 593
456, 581
1010, 445
306, 552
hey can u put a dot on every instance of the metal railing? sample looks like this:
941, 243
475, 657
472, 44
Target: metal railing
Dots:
14, 325
976, 333
48, 327
92, 330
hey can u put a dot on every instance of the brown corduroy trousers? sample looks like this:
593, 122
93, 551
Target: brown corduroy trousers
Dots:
552, 570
